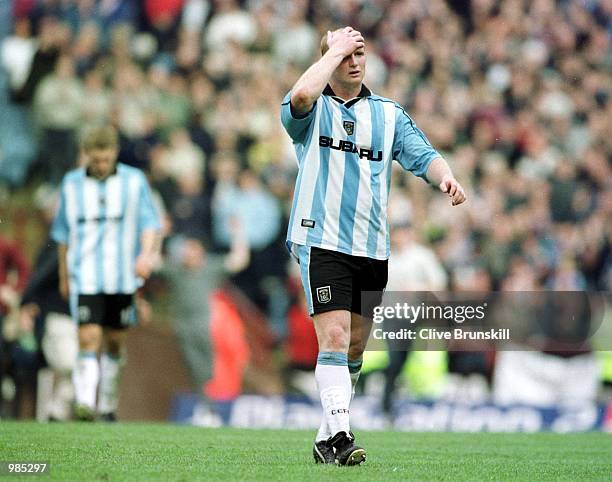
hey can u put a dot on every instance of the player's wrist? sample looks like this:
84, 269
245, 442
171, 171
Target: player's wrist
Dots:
335, 54
147, 253
146, 261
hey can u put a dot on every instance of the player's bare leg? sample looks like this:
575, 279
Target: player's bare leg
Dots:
360, 331
87, 371
333, 330
111, 362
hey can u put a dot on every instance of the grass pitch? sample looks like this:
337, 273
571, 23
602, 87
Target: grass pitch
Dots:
127, 451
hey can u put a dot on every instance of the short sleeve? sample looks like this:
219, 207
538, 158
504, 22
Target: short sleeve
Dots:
148, 215
411, 148
59, 228
296, 126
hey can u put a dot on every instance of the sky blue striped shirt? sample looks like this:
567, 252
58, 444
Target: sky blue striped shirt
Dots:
344, 151
101, 222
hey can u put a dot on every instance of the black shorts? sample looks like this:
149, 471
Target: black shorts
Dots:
109, 311
335, 281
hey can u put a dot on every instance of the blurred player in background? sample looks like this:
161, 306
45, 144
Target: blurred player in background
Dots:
107, 231
345, 138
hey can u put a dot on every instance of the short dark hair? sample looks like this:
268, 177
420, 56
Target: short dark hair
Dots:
100, 137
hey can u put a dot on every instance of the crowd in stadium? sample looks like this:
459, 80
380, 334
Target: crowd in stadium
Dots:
194, 88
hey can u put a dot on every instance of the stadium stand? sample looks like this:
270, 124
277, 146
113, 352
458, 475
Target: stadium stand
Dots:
194, 88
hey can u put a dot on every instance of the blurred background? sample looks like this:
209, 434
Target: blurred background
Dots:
515, 94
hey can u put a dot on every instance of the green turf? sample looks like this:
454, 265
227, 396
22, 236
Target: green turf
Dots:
165, 452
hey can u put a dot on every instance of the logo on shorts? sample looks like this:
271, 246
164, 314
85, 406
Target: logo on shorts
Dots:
324, 294
84, 314
126, 315
349, 127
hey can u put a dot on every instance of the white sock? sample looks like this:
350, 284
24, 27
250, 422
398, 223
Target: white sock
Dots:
85, 379
354, 378
110, 372
323, 433
63, 394
334, 385
354, 371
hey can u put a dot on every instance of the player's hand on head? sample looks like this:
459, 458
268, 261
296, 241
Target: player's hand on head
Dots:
345, 41
454, 190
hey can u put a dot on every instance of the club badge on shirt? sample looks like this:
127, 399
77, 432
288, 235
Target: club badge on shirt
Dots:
349, 127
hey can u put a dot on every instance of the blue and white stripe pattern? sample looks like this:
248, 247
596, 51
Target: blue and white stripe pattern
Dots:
333, 358
344, 151
354, 366
302, 254
101, 223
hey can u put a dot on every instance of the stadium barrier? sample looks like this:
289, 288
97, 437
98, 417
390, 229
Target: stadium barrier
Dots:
292, 412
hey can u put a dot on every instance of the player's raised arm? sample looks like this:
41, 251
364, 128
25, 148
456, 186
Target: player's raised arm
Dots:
440, 174
415, 153
308, 88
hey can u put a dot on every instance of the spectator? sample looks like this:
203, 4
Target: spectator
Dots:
297, 39
183, 158
256, 209
17, 53
193, 275
58, 106
229, 24
14, 273
190, 209
52, 38
412, 267
17, 142
97, 109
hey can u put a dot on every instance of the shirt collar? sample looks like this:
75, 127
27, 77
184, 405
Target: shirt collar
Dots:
113, 172
364, 92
